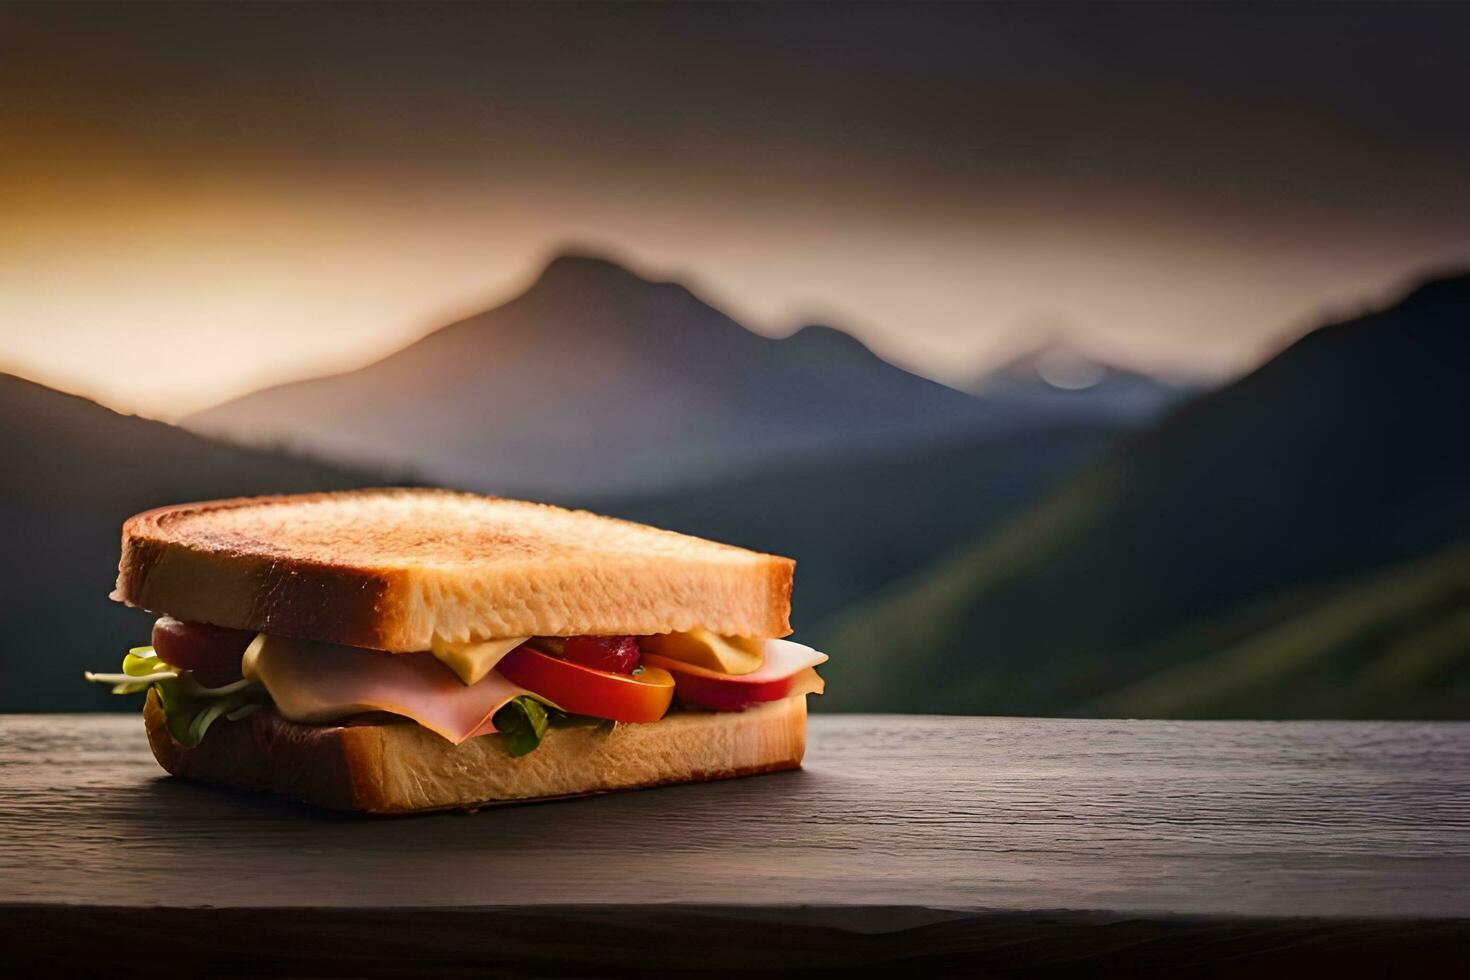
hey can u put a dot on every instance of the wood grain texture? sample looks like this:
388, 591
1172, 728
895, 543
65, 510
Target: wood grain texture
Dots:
1146, 841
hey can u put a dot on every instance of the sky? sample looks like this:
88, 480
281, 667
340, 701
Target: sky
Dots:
197, 200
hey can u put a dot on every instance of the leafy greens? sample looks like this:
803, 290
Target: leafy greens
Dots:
522, 721
189, 707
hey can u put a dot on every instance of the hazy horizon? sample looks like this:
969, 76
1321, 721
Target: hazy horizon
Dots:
102, 384
211, 199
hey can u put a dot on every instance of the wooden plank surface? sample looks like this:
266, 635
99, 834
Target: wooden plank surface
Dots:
954, 826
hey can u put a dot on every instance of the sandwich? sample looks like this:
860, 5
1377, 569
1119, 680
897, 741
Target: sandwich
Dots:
402, 650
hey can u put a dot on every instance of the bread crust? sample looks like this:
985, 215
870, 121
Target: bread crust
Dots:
390, 569
398, 767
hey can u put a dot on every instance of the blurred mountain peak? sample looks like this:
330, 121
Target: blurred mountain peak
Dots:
579, 266
1058, 375
820, 337
1435, 307
1448, 287
1337, 460
584, 294
1060, 364
598, 380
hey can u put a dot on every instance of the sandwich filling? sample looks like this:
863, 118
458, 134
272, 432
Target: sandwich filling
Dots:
513, 688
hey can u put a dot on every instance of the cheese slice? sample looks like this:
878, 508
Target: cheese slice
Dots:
321, 682
807, 682
726, 654
780, 659
472, 661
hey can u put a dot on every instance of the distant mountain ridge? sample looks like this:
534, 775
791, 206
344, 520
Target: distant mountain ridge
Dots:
597, 381
852, 524
808, 445
77, 471
1342, 456
1056, 379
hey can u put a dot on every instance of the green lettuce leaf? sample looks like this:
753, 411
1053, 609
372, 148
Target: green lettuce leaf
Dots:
522, 722
189, 715
189, 708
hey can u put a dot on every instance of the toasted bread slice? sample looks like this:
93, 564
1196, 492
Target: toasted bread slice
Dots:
392, 569
399, 767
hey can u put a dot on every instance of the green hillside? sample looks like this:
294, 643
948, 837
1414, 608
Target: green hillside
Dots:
1145, 585
1396, 644
853, 524
892, 653
77, 471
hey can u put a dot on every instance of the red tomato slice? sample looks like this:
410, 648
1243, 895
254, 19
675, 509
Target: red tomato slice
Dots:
212, 652
579, 690
786, 671
613, 654
726, 695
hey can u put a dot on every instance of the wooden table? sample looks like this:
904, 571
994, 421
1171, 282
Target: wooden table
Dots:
910, 843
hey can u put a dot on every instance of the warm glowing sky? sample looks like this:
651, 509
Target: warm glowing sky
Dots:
197, 200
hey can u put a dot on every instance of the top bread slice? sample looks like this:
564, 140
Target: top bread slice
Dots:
392, 569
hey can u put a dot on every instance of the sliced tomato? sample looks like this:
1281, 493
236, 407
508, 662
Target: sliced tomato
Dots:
787, 670
614, 654
644, 696
212, 652
726, 695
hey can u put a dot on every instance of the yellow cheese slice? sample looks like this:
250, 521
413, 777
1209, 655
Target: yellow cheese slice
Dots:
726, 654
472, 661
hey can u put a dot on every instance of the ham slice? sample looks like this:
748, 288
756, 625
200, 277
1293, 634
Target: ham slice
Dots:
321, 682
783, 659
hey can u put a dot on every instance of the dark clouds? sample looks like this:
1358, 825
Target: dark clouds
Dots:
1320, 100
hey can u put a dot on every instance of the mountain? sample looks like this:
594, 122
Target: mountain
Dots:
597, 381
599, 388
1342, 456
76, 471
1059, 382
856, 525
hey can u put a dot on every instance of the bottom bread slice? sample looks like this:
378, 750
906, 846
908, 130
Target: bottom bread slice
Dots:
400, 767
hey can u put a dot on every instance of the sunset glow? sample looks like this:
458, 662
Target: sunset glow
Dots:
178, 231
168, 306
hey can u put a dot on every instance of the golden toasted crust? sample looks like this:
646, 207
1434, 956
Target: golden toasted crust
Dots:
399, 767
391, 569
